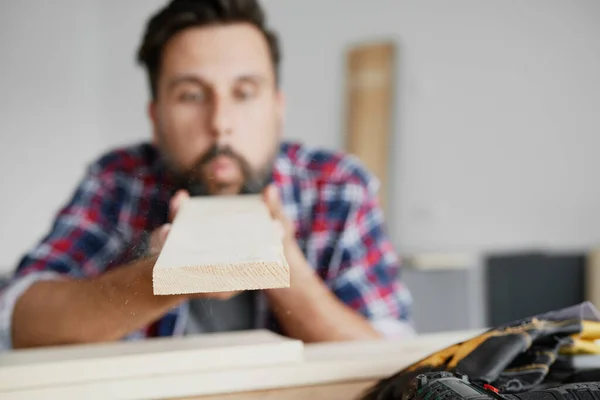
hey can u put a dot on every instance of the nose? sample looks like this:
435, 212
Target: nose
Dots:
221, 124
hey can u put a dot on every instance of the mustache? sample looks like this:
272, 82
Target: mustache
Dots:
197, 181
216, 151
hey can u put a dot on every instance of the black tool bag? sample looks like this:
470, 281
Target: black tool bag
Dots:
533, 353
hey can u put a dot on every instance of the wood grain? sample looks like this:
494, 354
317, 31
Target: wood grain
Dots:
221, 244
369, 110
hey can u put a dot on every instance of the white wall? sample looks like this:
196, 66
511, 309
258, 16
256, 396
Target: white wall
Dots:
49, 124
498, 125
497, 128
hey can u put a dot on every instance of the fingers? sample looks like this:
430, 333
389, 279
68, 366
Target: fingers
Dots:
158, 238
163, 232
275, 206
216, 295
176, 201
271, 196
224, 295
280, 229
159, 235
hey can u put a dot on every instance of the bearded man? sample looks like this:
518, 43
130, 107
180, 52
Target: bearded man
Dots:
217, 115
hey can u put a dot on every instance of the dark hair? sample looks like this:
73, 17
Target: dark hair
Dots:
182, 14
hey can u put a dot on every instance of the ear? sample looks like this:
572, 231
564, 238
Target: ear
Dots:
153, 116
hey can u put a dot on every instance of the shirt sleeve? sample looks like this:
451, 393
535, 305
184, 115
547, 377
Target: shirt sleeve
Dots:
368, 268
83, 241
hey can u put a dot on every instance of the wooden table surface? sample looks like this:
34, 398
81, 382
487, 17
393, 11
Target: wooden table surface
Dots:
335, 391
244, 365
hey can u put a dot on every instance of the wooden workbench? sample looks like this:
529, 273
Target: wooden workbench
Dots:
333, 391
243, 365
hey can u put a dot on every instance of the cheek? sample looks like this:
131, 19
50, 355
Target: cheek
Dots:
257, 136
184, 134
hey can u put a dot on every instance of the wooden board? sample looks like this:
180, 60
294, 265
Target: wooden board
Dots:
323, 363
592, 277
369, 110
221, 244
33, 369
333, 391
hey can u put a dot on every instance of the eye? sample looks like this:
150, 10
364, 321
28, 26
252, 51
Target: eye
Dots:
195, 97
246, 92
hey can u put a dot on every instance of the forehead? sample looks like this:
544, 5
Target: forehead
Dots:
217, 52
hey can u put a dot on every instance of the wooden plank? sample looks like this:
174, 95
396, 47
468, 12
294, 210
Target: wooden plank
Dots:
334, 391
324, 363
369, 110
70, 365
592, 277
221, 244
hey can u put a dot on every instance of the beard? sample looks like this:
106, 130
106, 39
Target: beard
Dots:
198, 183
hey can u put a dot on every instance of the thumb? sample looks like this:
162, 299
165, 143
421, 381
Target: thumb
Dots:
158, 238
176, 201
271, 197
284, 225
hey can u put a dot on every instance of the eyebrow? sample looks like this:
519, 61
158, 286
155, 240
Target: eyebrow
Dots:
196, 80
187, 79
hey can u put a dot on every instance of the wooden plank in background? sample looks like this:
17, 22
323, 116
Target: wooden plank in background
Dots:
592, 277
220, 244
369, 110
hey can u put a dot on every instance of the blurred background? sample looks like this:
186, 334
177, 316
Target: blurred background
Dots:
493, 167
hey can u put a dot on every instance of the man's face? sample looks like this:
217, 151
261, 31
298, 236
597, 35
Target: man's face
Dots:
218, 112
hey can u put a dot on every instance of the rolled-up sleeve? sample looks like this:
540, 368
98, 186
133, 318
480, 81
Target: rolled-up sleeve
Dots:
82, 242
9, 294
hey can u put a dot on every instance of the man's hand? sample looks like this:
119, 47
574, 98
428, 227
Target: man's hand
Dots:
292, 251
159, 236
308, 310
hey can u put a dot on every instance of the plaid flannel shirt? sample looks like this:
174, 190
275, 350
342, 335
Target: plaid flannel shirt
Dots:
125, 195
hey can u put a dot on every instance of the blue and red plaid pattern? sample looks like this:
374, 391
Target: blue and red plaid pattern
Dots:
125, 195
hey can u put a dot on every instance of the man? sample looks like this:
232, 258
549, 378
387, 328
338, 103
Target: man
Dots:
217, 115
